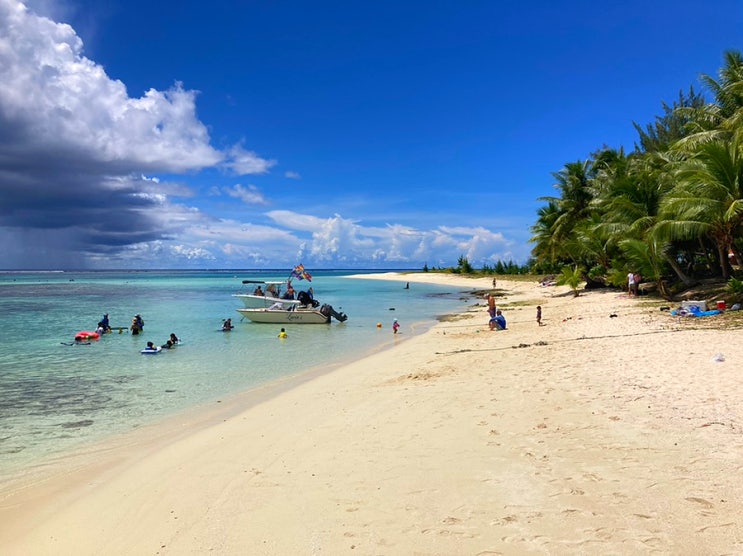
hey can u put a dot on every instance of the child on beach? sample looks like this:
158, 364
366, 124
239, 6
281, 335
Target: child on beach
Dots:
395, 326
539, 315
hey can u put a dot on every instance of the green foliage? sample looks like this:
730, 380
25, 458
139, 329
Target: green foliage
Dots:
571, 277
735, 286
671, 210
597, 272
617, 277
463, 266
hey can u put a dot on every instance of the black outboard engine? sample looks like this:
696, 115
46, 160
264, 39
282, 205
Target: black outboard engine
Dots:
305, 299
328, 311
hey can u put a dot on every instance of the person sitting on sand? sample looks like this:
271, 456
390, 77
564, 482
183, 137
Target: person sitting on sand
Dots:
498, 322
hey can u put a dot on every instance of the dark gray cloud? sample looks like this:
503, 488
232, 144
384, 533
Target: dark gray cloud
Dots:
74, 147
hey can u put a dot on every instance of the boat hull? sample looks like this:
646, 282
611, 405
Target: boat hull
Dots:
251, 301
273, 316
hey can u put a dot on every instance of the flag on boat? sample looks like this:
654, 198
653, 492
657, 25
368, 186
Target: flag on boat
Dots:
301, 274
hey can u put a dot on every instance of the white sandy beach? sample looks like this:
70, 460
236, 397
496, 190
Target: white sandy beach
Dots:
590, 435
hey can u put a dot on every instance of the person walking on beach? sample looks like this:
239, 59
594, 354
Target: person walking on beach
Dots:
631, 283
539, 315
395, 326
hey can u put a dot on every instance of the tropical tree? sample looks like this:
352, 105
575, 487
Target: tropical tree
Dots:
708, 200
571, 277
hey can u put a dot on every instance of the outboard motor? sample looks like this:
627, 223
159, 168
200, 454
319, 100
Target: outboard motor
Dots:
305, 299
328, 311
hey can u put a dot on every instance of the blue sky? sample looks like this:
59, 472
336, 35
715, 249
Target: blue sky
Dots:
261, 134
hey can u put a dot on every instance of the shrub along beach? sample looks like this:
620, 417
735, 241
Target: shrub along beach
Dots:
612, 428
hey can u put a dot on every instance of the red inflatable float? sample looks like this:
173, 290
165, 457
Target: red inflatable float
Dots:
86, 335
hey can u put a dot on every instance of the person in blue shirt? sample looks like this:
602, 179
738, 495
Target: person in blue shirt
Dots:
498, 322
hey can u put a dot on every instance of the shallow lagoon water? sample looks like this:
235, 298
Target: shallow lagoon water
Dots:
54, 397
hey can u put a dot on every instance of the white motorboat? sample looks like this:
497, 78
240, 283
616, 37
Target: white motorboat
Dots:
269, 295
294, 315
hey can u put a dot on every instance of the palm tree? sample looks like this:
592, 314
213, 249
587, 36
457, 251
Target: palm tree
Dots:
571, 277
728, 90
708, 200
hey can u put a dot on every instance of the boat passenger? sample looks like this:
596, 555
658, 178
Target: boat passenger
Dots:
289, 293
258, 291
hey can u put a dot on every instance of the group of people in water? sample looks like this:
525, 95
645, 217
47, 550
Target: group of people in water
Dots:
137, 327
305, 297
171, 342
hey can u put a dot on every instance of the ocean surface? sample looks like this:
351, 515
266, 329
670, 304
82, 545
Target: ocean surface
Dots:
56, 396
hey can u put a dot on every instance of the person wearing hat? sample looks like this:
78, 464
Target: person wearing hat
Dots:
395, 326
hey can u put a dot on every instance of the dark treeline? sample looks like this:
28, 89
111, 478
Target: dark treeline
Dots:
464, 267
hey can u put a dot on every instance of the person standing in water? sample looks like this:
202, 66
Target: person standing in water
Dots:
395, 326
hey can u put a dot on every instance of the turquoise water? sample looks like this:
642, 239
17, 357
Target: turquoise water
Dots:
55, 397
